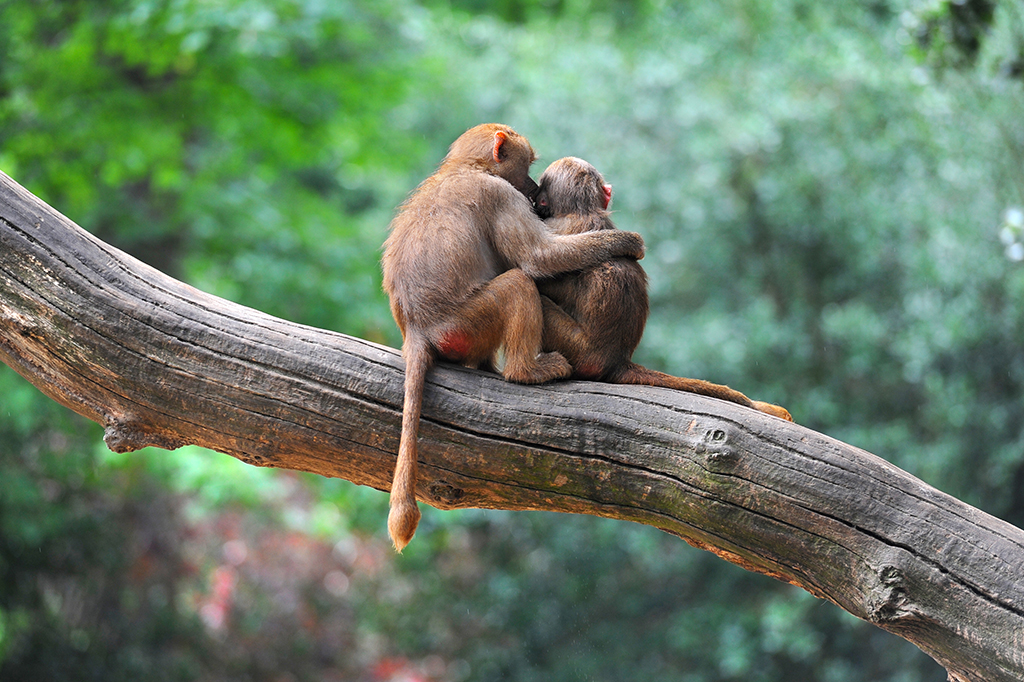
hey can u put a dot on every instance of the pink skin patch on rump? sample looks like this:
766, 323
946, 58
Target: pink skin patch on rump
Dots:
454, 345
589, 370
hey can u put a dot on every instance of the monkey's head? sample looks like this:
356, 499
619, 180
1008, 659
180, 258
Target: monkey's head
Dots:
571, 185
498, 150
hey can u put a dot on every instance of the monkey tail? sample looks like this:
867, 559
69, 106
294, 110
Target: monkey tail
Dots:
633, 373
404, 515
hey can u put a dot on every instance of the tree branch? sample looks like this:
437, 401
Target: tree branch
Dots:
157, 362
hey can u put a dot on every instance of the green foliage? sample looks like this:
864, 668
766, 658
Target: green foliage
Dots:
964, 34
625, 13
541, 597
832, 215
138, 120
86, 558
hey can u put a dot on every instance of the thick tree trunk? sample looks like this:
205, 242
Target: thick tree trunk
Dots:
160, 363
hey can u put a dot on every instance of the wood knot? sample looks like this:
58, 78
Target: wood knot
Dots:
718, 456
891, 603
720, 460
129, 435
890, 575
716, 437
121, 440
446, 493
126, 435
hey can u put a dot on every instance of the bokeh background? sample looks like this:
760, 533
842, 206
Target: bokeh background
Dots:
832, 194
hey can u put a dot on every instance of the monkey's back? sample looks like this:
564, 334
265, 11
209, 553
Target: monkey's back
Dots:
609, 302
438, 252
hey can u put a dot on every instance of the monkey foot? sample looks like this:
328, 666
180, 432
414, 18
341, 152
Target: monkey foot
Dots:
547, 367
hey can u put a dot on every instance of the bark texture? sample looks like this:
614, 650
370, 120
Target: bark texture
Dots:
157, 362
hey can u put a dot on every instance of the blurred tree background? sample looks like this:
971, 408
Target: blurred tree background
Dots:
833, 200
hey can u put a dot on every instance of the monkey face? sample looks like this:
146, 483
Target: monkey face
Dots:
542, 201
526, 186
501, 151
513, 157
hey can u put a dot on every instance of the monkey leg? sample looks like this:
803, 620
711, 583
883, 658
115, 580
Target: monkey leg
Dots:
505, 312
562, 333
565, 335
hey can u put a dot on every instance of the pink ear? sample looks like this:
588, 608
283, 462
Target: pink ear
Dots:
607, 189
499, 138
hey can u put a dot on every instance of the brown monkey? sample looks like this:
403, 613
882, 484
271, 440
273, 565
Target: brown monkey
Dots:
595, 317
459, 267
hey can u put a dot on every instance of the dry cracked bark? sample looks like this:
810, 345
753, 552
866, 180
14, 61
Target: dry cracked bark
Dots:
157, 362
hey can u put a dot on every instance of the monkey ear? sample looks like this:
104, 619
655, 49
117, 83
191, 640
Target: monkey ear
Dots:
607, 190
499, 139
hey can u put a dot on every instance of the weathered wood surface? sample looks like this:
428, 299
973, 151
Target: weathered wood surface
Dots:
160, 363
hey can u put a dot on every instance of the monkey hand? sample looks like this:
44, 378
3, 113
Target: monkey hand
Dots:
630, 243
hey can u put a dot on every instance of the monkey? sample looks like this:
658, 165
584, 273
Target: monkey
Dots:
595, 317
459, 266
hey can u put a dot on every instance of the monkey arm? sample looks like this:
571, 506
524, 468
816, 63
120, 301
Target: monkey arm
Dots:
572, 252
523, 242
579, 222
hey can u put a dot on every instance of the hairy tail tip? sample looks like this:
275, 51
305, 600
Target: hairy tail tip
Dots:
774, 410
403, 517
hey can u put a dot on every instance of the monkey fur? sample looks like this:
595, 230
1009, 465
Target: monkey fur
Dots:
595, 317
459, 268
